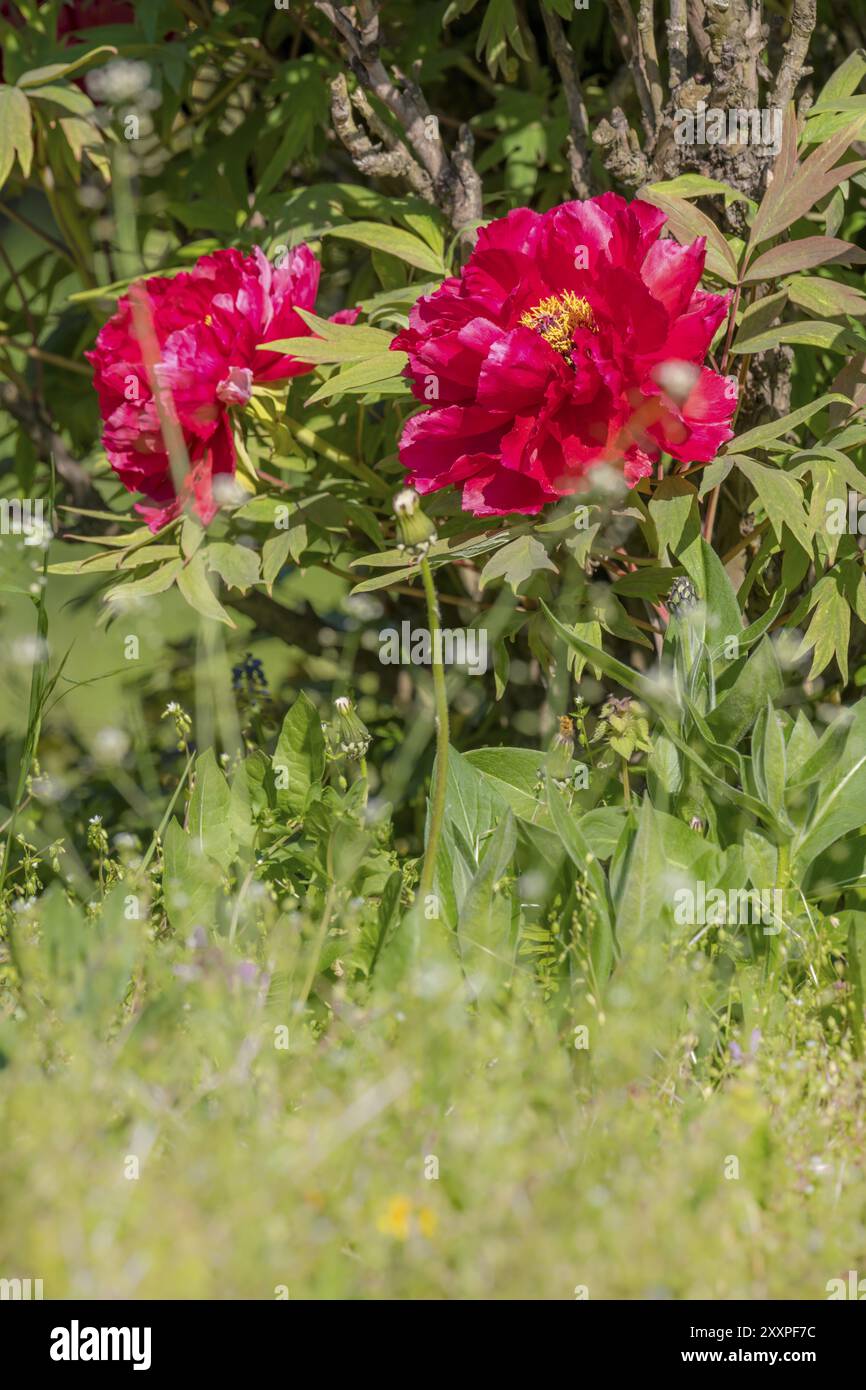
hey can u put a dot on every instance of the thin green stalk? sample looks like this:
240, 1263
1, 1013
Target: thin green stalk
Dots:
365, 777
440, 771
160, 831
308, 439
322, 932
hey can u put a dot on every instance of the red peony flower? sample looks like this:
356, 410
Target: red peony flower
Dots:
74, 15
206, 325
92, 14
570, 339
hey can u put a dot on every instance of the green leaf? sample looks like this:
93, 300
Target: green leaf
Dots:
672, 508
774, 429
189, 883
383, 366
473, 811
646, 896
275, 552
237, 565
844, 81
333, 342
626, 676
394, 241
809, 332
803, 254
516, 562
63, 99
161, 579
739, 704
830, 629
769, 759
697, 186
796, 192
687, 223
856, 969
484, 917
841, 793
585, 860
16, 135
299, 757
513, 774
761, 859
783, 500
37, 77
825, 298
209, 824
252, 791
195, 588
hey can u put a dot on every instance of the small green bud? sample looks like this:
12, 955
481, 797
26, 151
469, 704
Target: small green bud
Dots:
354, 736
416, 531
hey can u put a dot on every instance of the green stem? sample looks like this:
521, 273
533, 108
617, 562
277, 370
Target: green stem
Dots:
308, 439
362, 768
322, 932
440, 771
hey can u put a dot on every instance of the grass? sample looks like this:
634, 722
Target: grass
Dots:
178, 1124
270, 1158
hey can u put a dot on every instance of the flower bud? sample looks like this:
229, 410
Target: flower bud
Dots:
354, 736
560, 755
416, 531
683, 596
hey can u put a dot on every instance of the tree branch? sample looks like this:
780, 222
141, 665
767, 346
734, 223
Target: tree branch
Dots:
367, 157
804, 17
453, 180
632, 39
678, 44
578, 120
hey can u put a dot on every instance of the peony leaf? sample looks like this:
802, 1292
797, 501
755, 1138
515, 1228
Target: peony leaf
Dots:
334, 342
825, 298
160, 579
843, 82
394, 241
16, 135
37, 77
809, 251
516, 562
793, 192
237, 565
764, 434
362, 376
830, 628
195, 588
687, 223
782, 498
698, 186
810, 332
275, 552
672, 505
64, 98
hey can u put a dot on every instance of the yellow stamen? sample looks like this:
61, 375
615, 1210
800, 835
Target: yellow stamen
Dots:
556, 318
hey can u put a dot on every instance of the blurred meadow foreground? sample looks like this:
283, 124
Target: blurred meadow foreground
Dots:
432, 478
